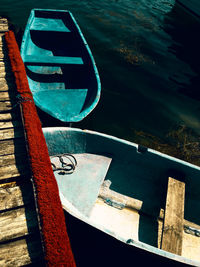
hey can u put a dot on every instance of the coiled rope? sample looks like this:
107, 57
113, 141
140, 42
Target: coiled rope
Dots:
66, 167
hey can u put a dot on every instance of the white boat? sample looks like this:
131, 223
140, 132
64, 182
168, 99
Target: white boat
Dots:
145, 199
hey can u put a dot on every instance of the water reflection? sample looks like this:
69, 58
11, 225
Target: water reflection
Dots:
184, 31
147, 55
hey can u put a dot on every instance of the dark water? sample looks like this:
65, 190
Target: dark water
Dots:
147, 53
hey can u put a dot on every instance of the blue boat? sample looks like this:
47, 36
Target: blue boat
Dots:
148, 201
61, 70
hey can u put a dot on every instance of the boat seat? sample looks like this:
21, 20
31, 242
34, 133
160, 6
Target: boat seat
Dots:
46, 24
69, 105
52, 60
172, 236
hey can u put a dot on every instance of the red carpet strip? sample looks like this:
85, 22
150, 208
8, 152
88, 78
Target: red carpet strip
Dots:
57, 248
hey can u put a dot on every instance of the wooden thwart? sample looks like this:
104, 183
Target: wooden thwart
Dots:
172, 237
106, 193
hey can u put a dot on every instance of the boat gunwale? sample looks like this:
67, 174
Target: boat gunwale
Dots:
139, 244
120, 140
86, 111
68, 207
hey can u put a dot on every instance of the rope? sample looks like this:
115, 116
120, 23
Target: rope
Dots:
66, 168
20, 100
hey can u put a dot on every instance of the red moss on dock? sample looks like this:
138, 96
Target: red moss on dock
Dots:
56, 242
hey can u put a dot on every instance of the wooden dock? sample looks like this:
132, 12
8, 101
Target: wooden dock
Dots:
20, 242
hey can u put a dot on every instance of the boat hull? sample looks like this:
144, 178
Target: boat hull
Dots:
133, 171
60, 68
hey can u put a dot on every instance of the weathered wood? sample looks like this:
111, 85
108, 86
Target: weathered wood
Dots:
10, 78
2, 67
106, 194
12, 146
5, 64
3, 55
11, 171
10, 124
7, 160
4, 20
9, 116
17, 223
3, 25
115, 197
5, 106
3, 28
7, 86
174, 217
21, 252
13, 195
4, 74
20, 242
7, 95
6, 134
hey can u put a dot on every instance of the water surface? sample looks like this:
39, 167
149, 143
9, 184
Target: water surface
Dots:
147, 54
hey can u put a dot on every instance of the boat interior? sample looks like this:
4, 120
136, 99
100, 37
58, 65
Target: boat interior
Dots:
130, 192
55, 52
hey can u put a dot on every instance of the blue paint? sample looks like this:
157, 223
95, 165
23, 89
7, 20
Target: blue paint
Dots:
51, 60
61, 70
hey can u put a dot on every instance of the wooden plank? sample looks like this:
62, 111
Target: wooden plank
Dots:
3, 79
11, 171
9, 80
4, 25
17, 223
10, 116
7, 95
8, 160
5, 106
13, 195
2, 66
3, 57
5, 64
12, 146
106, 194
3, 21
6, 134
10, 124
3, 49
4, 74
21, 252
3, 28
174, 217
7, 86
